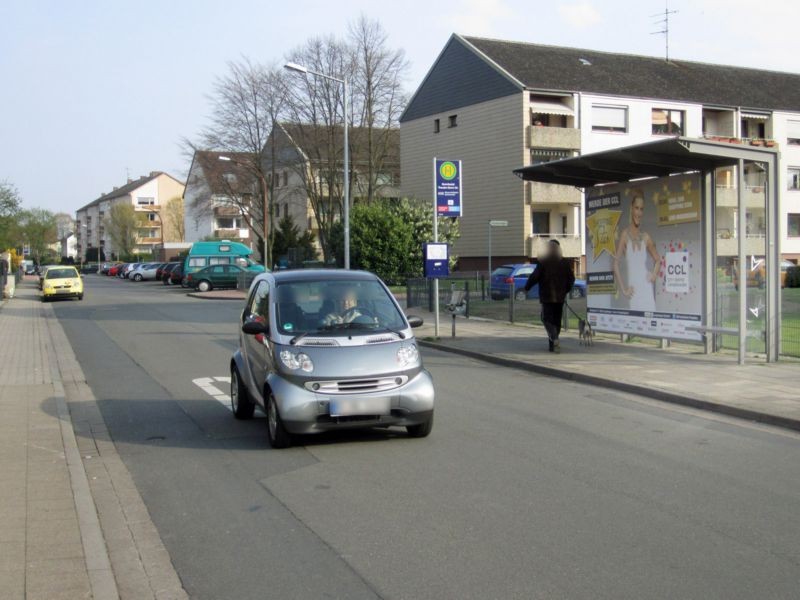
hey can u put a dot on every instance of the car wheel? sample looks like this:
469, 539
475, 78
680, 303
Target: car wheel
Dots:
277, 435
204, 286
520, 295
241, 404
184, 283
422, 430
137, 277
80, 296
44, 298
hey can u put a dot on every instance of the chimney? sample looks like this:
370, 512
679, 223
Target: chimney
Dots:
130, 180
153, 173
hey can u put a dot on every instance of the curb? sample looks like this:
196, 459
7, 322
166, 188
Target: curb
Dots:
198, 295
98, 563
630, 388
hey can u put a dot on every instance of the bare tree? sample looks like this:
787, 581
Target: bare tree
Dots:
314, 136
378, 100
122, 225
246, 103
173, 211
37, 229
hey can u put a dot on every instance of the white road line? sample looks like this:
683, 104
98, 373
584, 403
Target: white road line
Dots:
207, 385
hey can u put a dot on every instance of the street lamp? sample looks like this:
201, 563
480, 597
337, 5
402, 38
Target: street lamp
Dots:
304, 70
265, 211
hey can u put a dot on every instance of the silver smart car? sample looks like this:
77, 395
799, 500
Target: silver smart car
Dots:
328, 349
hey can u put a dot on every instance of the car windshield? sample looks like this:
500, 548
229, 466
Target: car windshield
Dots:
60, 273
502, 272
336, 305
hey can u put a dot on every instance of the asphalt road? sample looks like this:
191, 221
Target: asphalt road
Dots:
528, 487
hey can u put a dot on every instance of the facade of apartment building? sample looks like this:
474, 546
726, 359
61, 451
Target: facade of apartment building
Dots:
500, 105
219, 191
149, 195
304, 158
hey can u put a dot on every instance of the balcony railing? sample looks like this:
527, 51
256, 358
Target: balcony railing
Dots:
567, 138
766, 142
229, 234
570, 244
728, 197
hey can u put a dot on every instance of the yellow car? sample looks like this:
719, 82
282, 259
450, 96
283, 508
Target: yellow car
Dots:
62, 282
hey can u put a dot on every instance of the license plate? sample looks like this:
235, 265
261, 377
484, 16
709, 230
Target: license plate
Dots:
62, 291
348, 407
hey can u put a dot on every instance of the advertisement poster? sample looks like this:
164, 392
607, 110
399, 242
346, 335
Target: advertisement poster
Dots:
643, 257
447, 184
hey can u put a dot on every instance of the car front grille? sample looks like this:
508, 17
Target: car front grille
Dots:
357, 386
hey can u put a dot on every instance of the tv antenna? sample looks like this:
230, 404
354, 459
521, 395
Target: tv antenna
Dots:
663, 22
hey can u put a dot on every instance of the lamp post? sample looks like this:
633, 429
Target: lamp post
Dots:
265, 211
346, 216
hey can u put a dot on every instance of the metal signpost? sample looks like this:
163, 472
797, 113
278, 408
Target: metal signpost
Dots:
493, 223
447, 202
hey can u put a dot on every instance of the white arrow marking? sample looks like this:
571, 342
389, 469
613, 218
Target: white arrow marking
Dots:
207, 385
754, 311
754, 264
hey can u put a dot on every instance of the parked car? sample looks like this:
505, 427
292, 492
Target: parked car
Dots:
215, 276
144, 272
324, 350
224, 252
503, 276
62, 282
160, 270
165, 271
176, 275
114, 269
129, 268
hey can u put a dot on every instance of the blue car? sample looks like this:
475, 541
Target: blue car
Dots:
503, 276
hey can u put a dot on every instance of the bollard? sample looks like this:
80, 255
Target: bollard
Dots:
453, 332
466, 301
483, 287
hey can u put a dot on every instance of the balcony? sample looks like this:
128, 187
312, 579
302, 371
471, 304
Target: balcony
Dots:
231, 234
145, 241
549, 193
570, 244
764, 142
227, 211
147, 207
565, 138
727, 197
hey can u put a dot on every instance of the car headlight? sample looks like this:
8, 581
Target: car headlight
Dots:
297, 361
407, 355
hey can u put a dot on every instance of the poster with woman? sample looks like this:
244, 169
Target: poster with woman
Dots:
643, 257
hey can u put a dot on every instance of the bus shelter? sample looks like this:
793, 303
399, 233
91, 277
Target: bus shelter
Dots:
682, 240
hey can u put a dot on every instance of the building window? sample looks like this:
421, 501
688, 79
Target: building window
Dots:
667, 122
285, 210
540, 222
227, 223
543, 155
142, 201
452, 121
436, 126
151, 216
285, 178
793, 132
793, 178
611, 119
793, 224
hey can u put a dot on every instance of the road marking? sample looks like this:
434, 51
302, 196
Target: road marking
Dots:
207, 385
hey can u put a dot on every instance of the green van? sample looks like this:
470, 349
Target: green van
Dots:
224, 252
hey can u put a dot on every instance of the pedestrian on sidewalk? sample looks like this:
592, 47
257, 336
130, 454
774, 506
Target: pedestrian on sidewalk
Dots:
555, 278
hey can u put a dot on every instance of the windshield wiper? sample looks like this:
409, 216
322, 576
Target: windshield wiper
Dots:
369, 326
300, 336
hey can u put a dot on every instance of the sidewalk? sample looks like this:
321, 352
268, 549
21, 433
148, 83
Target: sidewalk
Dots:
684, 375
52, 544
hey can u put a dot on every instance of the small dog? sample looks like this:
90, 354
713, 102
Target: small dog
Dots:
585, 333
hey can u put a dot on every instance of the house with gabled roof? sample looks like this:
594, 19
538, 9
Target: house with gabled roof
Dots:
149, 195
499, 105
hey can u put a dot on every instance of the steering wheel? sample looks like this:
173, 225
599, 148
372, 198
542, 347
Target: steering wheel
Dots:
347, 315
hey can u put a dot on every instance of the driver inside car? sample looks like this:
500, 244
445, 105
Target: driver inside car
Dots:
348, 309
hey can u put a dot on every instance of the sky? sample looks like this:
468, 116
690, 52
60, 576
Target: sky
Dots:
94, 91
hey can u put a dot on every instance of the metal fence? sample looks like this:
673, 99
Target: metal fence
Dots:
479, 302
244, 279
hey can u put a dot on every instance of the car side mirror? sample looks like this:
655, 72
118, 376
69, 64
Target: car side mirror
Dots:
253, 327
415, 322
